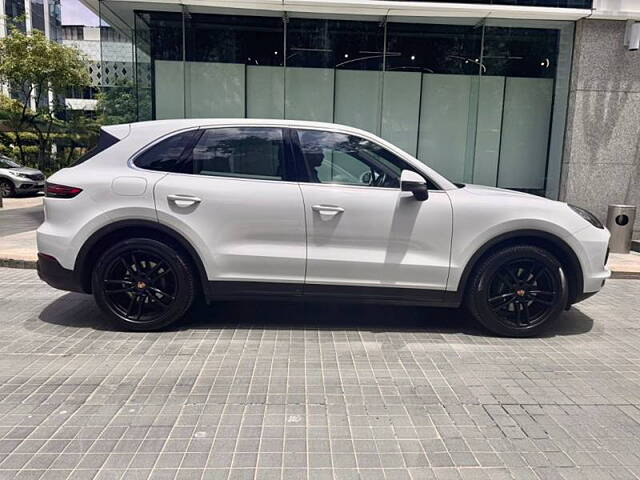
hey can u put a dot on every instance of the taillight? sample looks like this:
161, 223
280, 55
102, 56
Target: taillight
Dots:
60, 191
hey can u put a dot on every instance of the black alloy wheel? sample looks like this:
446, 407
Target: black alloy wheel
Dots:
517, 291
143, 284
522, 292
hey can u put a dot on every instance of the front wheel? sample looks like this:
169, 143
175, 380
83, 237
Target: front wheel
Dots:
517, 291
143, 284
6, 188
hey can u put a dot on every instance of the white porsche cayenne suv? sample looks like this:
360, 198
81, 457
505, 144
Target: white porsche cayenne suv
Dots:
165, 212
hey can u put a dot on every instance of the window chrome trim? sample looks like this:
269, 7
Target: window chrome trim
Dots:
290, 126
142, 150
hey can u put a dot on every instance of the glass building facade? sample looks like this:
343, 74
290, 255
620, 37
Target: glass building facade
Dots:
526, 3
479, 101
15, 12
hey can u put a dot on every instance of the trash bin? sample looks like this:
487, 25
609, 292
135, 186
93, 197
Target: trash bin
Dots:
620, 220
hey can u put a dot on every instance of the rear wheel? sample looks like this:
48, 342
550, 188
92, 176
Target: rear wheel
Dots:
7, 188
517, 291
143, 284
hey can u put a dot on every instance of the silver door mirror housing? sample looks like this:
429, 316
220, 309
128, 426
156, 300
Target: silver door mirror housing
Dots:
412, 182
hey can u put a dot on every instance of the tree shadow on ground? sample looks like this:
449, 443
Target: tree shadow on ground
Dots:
79, 311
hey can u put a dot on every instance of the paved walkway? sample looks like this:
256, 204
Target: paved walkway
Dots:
19, 218
301, 391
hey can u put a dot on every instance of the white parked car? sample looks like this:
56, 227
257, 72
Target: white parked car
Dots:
163, 212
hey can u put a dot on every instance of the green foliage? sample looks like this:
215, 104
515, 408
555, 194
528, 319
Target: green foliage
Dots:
36, 69
33, 63
118, 103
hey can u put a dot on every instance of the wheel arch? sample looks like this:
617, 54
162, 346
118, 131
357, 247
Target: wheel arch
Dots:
8, 179
123, 229
548, 241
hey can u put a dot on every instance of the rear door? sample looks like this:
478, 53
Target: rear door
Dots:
232, 199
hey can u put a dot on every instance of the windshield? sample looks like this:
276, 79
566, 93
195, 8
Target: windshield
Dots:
8, 163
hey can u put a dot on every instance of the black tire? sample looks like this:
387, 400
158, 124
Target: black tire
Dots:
517, 291
143, 284
7, 188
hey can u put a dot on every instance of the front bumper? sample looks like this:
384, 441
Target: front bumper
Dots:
592, 244
50, 271
27, 185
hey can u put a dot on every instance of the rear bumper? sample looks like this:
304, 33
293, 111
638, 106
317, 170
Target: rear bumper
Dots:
50, 271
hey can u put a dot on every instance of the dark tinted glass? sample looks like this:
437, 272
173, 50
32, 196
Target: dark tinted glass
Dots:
334, 44
520, 52
105, 141
164, 155
15, 12
348, 160
432, 48
163, 32
239, 152
55, 20
37, 14
234, 39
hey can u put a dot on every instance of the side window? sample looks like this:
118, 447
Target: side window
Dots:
348, 160
243, 152
164, 156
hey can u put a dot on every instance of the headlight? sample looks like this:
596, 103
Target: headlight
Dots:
588, 216
21, 175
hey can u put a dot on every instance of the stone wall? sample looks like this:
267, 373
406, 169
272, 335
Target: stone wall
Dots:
601, 162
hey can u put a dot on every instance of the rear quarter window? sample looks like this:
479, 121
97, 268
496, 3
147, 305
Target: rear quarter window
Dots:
105, 140
166, 155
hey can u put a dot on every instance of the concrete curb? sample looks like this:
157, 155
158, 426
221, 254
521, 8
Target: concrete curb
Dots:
11, 263
625, 275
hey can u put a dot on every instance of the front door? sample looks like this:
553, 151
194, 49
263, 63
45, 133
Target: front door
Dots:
361, 229
232, 199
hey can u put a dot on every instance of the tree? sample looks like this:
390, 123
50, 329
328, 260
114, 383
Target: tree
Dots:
80, 133
37, 69
117, 103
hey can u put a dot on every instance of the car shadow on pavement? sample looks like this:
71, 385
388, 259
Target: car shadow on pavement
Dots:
80, 311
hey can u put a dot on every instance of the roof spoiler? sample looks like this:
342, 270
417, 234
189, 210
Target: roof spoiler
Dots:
117, 131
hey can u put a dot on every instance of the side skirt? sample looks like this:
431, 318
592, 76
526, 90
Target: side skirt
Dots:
223, 290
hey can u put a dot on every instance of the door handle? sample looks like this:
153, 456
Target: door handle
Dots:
183, 200
327, 209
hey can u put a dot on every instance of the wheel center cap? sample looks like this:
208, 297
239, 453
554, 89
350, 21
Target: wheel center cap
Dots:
520, 292
141, 285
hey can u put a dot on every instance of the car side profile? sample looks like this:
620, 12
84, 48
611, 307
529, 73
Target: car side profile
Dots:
14, 178
165, 212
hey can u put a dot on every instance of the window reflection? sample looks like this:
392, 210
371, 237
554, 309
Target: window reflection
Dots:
240, 152
433, 48
163, 31
348, 160
340, 44
234, 39
15, 12
37, 14
520, 52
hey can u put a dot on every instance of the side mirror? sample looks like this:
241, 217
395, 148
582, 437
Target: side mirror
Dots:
414, 183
